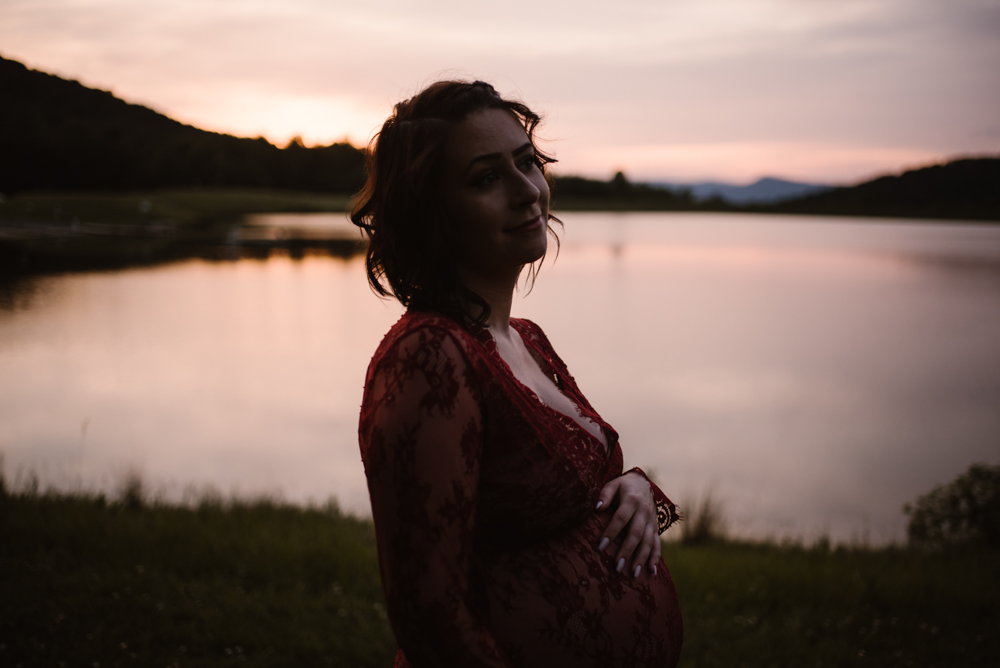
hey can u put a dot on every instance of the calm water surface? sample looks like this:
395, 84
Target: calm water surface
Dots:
812, 373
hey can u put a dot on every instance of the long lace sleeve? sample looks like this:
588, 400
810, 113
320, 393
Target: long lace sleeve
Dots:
421, 439
666, 511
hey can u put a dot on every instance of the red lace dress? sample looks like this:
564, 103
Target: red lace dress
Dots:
483, 499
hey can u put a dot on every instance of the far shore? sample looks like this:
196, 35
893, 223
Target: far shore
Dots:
53, 232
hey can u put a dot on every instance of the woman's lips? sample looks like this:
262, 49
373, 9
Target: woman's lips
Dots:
528, 225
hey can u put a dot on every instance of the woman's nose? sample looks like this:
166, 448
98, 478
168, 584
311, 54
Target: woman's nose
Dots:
525, 191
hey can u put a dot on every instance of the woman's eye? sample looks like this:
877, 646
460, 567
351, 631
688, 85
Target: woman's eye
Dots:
530, 162
486, 179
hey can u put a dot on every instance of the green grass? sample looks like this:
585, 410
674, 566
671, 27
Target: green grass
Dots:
772, 605
84, 581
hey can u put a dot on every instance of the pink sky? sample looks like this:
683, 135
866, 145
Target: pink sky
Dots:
675, 90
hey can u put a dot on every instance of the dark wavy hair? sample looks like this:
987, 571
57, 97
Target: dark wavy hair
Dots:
401, 209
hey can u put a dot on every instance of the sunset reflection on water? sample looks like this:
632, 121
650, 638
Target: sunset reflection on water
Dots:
814, 374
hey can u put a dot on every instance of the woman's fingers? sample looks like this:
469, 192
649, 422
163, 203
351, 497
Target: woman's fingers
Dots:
634, 520
654, 554
640, 540
633, 539
618, 522
638, 531
641, 552
607, 494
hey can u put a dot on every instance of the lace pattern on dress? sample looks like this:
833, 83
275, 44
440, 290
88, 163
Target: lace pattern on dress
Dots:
483, 499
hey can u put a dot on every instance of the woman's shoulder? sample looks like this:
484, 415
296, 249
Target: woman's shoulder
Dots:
416, 321
426, 331
528, 328
533, 335
530, 332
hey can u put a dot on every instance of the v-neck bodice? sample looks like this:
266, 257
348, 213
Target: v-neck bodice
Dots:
581, 415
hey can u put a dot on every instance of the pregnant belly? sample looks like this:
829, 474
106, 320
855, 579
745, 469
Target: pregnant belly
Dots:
562, 603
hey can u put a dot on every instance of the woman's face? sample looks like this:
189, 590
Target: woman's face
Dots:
496, 196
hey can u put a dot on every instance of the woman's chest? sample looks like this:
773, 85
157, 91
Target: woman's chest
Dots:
531, 371
540, 474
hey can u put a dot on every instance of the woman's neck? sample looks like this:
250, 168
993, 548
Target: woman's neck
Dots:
499, 294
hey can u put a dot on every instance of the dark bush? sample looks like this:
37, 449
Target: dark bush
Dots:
964, 511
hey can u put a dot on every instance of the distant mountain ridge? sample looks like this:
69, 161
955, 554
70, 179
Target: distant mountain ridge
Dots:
57, 134
765, 190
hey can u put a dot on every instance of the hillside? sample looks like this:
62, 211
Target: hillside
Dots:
57, 134
963, 189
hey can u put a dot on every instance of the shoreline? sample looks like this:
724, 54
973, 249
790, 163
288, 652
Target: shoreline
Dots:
52, 233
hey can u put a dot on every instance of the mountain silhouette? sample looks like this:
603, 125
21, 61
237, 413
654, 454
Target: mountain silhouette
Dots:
967, 188
765, 190
57, 134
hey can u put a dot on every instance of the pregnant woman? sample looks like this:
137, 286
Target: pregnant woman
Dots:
508, 534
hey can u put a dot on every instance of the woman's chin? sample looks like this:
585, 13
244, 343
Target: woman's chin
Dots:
504, 262
537, 251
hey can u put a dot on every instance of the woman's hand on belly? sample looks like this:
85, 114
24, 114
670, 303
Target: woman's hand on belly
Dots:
636, 517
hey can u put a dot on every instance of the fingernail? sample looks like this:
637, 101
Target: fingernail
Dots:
637, 569
604, 543
621, 564
599, 504
654, 569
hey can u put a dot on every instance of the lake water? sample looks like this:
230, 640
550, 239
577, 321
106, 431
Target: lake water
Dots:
812, 373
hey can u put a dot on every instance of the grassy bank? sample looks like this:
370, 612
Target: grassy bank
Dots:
87, 582
768, 605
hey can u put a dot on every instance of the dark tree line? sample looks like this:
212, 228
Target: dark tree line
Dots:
963, 189
620, 193
60, 135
